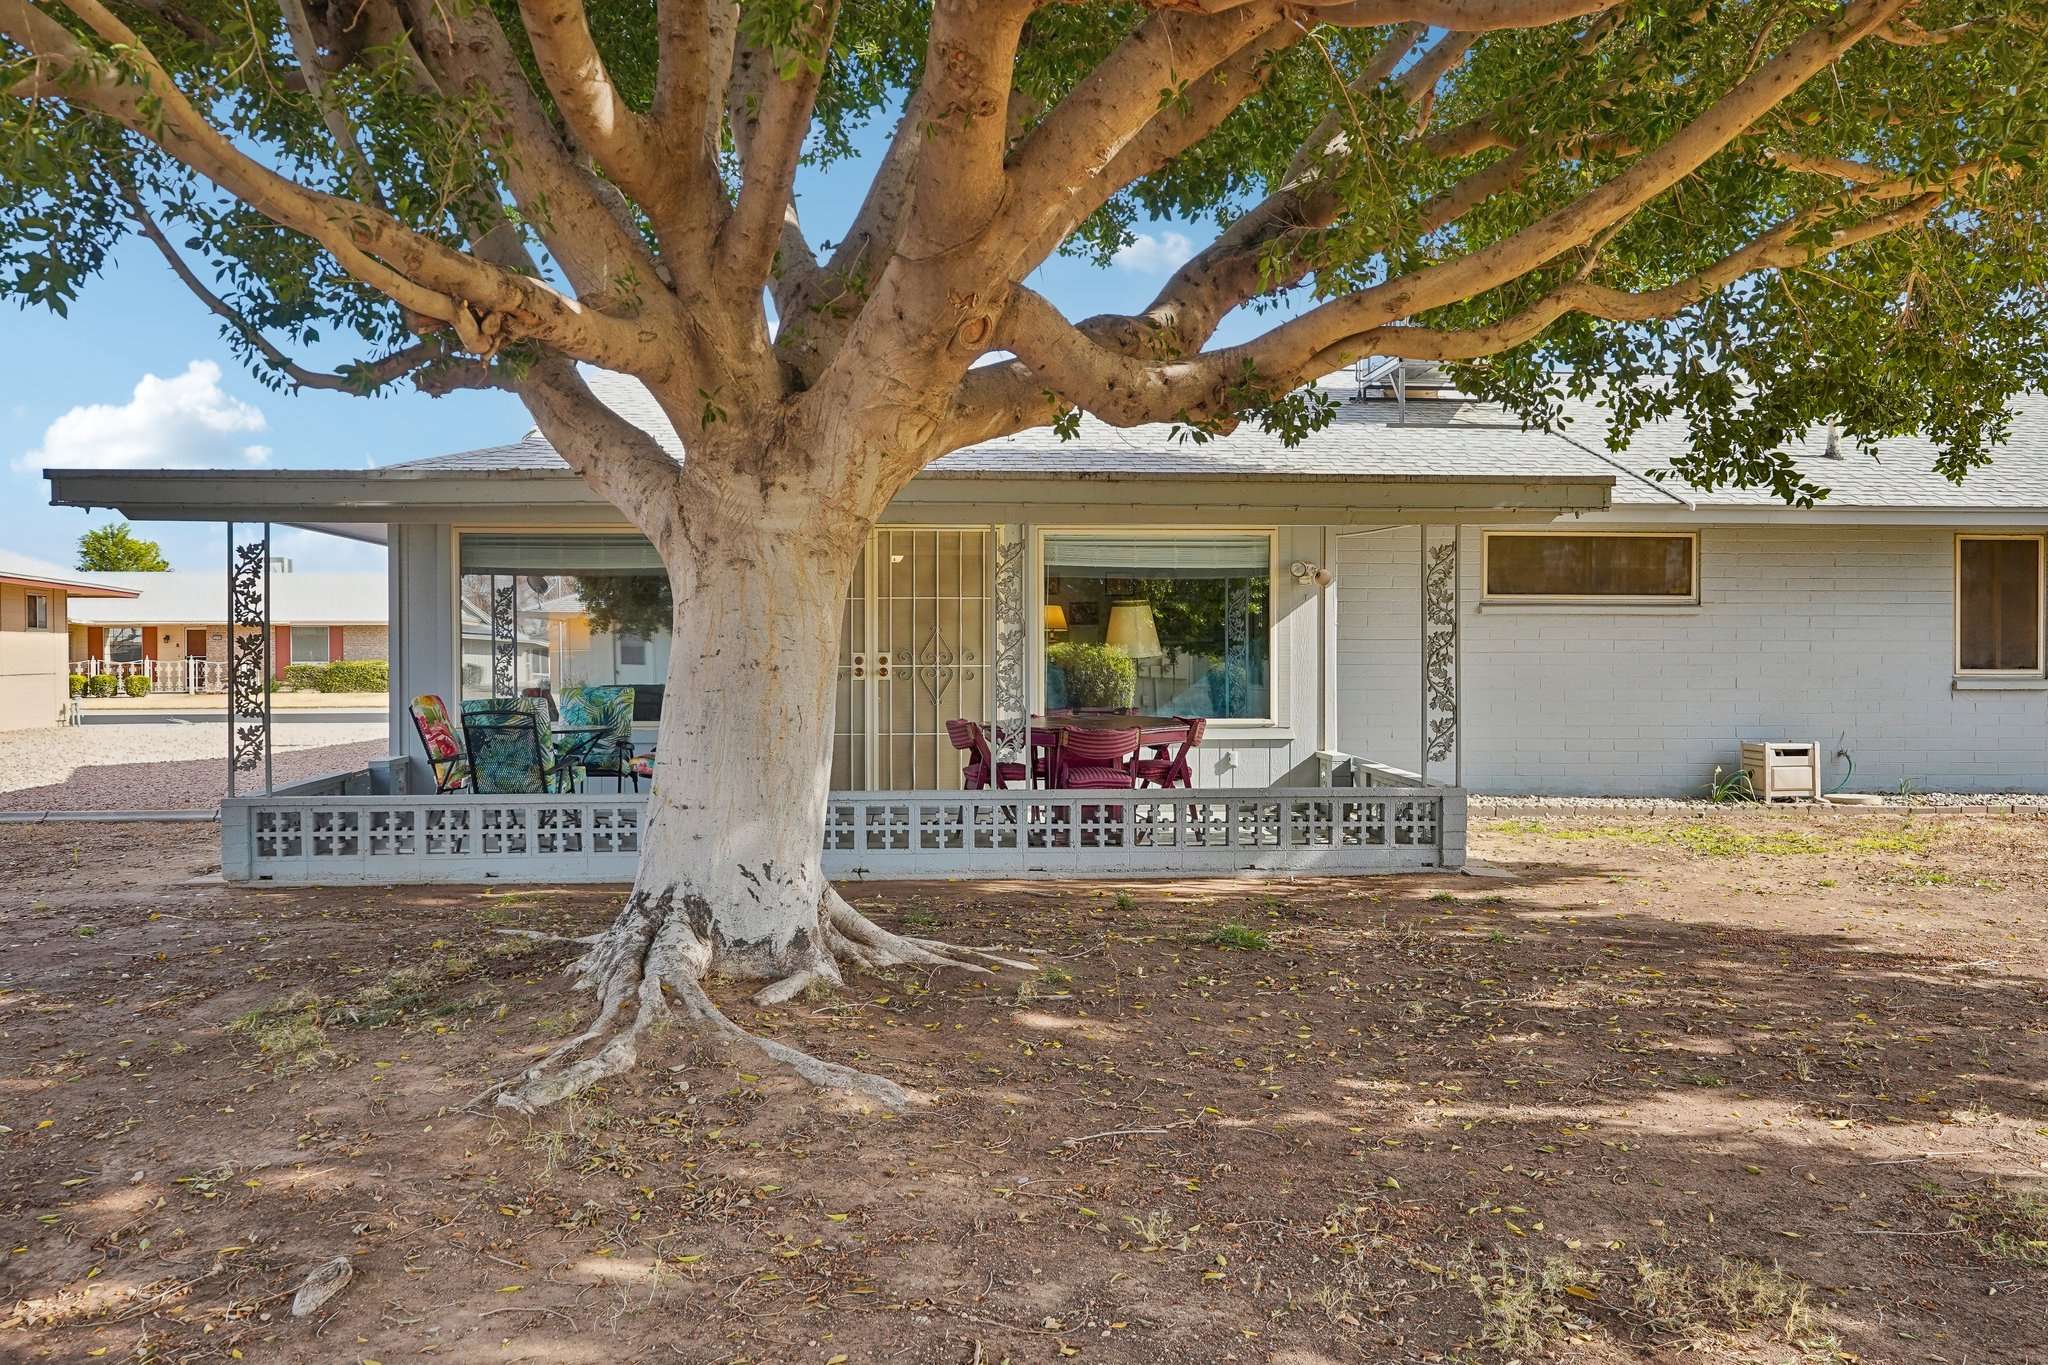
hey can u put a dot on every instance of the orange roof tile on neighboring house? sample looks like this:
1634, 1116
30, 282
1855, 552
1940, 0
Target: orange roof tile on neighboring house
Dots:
33, 573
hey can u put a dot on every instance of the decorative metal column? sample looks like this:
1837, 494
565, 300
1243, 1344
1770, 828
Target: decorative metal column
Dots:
1440, 743
1010, 727
249, 645
504, 635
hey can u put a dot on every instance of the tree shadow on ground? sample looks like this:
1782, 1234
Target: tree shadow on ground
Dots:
1621, 1108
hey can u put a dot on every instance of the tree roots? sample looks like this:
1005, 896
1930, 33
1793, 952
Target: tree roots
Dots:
651, 953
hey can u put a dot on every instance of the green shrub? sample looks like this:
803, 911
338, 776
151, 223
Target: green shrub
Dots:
356, 675
135, 685
77, 684
102, 685
1097, 675
344, 675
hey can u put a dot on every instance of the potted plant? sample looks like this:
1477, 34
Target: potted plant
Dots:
1098, 677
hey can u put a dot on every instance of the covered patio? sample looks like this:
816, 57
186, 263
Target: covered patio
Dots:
998, 584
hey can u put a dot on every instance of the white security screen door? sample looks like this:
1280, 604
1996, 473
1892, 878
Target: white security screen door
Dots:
914, 653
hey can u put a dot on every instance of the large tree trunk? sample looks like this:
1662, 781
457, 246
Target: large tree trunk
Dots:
737, 815
730, 880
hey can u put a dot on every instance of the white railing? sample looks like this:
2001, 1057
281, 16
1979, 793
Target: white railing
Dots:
328, 836
165, 675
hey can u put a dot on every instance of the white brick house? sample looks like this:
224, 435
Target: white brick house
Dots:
1423, 585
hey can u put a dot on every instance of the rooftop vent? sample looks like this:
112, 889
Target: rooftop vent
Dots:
1381, 380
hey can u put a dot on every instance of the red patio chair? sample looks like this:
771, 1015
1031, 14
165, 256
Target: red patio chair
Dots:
1097, 759
1168, 765
972, 740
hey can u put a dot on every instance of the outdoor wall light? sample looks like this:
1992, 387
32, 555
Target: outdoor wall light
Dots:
1306, 573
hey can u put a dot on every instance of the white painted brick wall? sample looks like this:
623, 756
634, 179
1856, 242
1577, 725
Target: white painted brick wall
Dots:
1841, 635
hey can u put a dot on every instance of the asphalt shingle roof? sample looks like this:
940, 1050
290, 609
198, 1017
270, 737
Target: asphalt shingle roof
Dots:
1424, 438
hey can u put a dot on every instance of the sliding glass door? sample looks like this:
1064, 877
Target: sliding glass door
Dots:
548, 610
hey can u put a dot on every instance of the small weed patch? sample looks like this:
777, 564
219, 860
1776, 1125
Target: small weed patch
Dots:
1241, 937
1054, 983
1707, 841
1902, 841
287, 1031
1521, 1308
2002, 1223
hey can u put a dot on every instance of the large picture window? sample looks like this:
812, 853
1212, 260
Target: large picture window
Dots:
1546, 566
1174, 624
309, 645
1998, 604
124, 644
574, 610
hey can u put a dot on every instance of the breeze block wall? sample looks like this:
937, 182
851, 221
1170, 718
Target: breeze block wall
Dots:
1843, 636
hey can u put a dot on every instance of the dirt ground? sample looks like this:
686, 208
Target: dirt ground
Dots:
1753, 1088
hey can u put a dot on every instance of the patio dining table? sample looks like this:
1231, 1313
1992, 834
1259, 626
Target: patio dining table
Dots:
1153, 730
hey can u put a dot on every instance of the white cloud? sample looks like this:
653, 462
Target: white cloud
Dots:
185, 422
1150, 255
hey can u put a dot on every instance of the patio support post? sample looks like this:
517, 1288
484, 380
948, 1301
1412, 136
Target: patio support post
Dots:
1442, 757
249, 646
1010, 725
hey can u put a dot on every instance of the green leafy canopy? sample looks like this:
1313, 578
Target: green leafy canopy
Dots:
115, 548
1332, 185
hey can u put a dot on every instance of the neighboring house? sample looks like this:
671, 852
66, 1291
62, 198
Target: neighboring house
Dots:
173, 627
36, 600
1424, 585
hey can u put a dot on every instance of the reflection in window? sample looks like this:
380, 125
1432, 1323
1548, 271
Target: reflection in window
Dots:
1541, 565
569, 610
1998, 604
124, 644
1166, 625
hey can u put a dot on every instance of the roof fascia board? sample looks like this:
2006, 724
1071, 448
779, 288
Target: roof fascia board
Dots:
1723, 515
326, 498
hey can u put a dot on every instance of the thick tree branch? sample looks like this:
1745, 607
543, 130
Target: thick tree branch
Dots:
696, 41
1072, 363
770, 135
575, 213
615, 135
1475, 15
955, 184
1775, 250
313, 68
616, 458
1064, 169
1287, 349
487, 306
365, 377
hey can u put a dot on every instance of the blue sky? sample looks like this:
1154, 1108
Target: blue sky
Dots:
138, 376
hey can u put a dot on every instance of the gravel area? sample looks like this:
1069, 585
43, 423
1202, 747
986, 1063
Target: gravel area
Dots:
161, 767
1679, 805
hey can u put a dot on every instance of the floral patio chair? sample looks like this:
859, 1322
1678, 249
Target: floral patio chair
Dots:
443, 743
